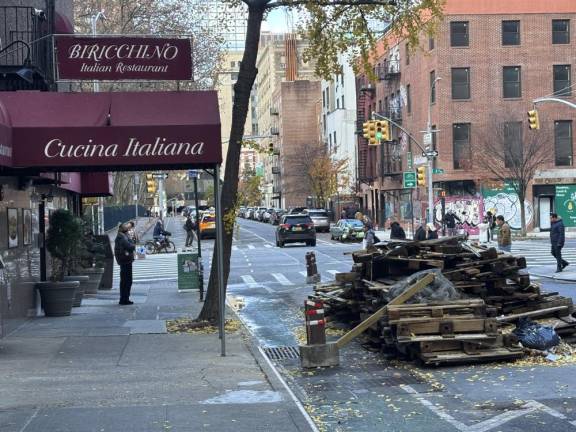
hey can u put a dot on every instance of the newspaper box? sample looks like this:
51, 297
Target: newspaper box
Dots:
188, 272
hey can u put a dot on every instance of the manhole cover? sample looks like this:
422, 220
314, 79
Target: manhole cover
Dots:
282, 352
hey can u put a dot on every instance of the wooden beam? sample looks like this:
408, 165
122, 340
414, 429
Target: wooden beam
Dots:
373, 319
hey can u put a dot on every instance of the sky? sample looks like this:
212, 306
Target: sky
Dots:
276, 21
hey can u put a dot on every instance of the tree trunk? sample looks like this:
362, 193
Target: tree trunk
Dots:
242, 89
522, 214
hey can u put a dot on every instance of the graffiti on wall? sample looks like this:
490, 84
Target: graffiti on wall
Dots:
469, 209
508, 205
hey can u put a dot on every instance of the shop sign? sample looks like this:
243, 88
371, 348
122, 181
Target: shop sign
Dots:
565, 204
122, 58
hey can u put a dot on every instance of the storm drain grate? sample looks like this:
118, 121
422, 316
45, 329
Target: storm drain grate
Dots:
282, 352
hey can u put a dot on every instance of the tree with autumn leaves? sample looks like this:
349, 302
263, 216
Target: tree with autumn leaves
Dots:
332, 27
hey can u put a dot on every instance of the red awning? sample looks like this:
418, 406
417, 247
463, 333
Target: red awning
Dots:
111, 131
97, 184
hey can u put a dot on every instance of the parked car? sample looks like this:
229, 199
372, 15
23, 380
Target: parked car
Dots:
320, 219
297, 210
276, 215
347, 229
258, 213
266, 215
241, 211
296, 228
208, 225
248, 213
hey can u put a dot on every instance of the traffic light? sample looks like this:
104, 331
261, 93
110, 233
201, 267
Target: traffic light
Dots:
366, 129
369, 129
383, 130
421, 175
533, 120
150, 184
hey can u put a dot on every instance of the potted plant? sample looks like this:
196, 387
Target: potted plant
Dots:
63, 244
91, 262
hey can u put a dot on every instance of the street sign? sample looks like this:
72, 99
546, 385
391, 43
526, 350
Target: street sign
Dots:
409, 161
427, 140
430, 153
192, 174
437, 171
409, 180
420, 160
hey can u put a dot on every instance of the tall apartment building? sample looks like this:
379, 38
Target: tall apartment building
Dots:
235, 19
272, 69
488, 62
339, 127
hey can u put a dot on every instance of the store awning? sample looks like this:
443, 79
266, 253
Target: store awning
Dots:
109, 131
97, 184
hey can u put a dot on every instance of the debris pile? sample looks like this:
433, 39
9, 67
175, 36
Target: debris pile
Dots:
459, 317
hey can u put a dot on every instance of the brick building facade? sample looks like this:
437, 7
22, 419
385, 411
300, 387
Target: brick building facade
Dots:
490, 60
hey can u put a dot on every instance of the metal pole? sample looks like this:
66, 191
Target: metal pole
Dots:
42, 238
220, 258
197, 217
430, 158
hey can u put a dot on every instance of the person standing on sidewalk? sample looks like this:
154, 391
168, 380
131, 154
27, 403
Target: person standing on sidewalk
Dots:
557, 241
124, 252
504, 235
190, 227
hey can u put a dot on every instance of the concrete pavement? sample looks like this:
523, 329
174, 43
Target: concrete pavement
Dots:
112, 368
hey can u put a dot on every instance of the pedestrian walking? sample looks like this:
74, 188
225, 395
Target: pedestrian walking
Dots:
491, 220
484, 231
450, 221
557, 238
431, 233
396, 231
369, 236
190, 227
132, 234
420, 233
504, 234
124, 252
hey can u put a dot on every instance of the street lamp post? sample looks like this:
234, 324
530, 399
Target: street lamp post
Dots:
429, 155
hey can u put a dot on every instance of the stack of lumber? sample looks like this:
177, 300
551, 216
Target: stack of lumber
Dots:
487, 290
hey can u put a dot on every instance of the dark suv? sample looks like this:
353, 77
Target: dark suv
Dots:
296, 228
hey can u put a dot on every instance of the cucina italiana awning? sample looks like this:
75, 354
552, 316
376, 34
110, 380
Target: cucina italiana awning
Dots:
109, 131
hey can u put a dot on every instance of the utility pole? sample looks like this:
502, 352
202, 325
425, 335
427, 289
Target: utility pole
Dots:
136, 190
429, 155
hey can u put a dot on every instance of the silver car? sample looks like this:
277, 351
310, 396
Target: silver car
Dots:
320, 219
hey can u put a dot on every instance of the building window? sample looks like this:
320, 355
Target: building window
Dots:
511, 80
323, 98
407, 55
386, 107
561, 31
380, 105
461, 146
337, 103
460, 83
431, 43
459, 34
562, 80
563, 142
342, 104
408, 99
335, 142
510, 32
432, 87
513, 144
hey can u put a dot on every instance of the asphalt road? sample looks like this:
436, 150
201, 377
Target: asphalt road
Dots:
368, 392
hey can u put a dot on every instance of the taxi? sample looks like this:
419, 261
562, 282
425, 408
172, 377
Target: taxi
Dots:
208, 225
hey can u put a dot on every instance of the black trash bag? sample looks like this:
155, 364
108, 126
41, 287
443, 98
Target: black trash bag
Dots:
536, 336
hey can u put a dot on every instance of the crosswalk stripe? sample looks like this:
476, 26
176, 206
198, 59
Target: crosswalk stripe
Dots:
251, 246
282, 279
234, 248
333, 272
268, 245
249, 280
303, 273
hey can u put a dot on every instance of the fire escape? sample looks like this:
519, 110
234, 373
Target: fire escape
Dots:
365, 93
26, 61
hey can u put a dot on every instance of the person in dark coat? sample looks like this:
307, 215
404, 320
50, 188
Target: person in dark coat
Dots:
159, 231
557, 241
450, 221
396, 231
431, 233
190, 227
420, 234
369, 236
124, 252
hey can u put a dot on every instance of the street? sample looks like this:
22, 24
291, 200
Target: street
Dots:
367, 392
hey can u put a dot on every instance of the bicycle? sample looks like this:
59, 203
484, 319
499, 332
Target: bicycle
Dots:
164, 245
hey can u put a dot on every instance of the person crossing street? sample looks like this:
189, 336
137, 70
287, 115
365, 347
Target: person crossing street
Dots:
190, 227
124, 252
557, 241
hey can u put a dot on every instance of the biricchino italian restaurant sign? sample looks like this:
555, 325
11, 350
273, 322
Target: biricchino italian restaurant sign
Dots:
122, 58
77, 131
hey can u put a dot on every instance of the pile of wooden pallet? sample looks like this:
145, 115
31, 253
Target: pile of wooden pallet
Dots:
487, 291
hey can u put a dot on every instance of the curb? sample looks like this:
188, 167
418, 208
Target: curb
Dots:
274, 377
554, 277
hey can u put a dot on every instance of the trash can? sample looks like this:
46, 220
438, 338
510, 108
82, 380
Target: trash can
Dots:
189, 271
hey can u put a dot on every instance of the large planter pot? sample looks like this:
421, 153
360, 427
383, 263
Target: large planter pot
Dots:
95, 276
57, 297
81, 288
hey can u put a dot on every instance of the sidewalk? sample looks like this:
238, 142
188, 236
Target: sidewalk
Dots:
108, 368
549, 271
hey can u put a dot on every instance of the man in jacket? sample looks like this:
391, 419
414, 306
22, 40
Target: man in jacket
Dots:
396, 231
124, 252
504, 235
420, 234
189, 226
557, 241
450, 221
